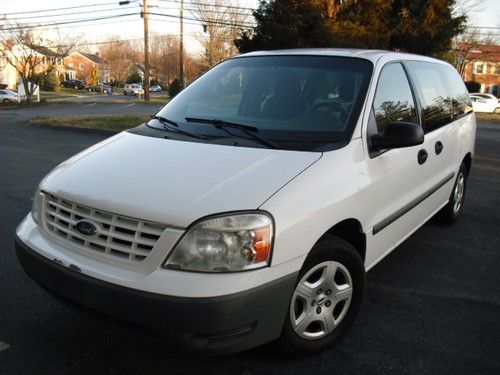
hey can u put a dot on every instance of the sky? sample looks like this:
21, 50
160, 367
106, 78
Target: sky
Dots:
487, 14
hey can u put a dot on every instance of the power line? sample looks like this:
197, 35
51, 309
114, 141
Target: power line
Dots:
483, 27
56, 9
31, 26
212, 22
208, 4
68, 14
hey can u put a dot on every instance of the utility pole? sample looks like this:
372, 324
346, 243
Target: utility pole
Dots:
145, 15
181, 46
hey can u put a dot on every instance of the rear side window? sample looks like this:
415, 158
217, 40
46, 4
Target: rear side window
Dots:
393, 98
433, 92
460, 98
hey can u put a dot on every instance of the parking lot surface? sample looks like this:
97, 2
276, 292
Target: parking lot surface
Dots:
432, 306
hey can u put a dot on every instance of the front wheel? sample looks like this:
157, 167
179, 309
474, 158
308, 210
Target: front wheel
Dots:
497, 110
326, 298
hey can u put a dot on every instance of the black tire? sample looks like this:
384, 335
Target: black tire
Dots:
331, 248
6, 101
497, 110
448, 213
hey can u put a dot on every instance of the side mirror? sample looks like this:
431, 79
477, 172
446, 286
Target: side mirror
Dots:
398, 134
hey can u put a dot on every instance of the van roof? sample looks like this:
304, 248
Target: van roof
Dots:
368, 54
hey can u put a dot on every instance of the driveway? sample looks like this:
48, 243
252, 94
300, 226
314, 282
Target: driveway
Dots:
432, 306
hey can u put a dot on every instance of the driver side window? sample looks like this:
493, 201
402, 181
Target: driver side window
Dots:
393, 98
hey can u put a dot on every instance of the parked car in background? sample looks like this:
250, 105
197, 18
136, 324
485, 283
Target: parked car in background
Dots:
100, 87
485, 96
76, 84
133, 89
485, 103
207, 248
155, 88
9, 96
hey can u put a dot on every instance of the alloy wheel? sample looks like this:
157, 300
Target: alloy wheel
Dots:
458, 195
321, 300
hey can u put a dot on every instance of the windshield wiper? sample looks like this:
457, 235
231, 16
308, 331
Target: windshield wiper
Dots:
167, 123
165, 120
223, 125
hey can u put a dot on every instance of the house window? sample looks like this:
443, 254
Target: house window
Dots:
497, 70
82, 65
479, 68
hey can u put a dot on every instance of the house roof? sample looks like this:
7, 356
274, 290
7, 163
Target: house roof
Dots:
94, 58
45, 51
485, 52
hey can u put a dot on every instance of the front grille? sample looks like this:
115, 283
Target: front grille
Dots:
117, 236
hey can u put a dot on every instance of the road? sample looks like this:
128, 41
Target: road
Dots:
432, 306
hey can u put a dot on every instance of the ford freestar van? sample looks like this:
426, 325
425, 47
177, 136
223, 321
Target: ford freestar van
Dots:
249, 208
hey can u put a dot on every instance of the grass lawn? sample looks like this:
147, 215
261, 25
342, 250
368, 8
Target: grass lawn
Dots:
110, 123
492, 117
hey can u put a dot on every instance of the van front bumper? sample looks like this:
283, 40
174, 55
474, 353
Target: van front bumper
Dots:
221, 324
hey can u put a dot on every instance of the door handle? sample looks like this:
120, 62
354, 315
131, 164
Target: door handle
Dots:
438, 147
422, 156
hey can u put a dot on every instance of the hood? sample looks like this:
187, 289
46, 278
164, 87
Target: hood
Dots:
173, 182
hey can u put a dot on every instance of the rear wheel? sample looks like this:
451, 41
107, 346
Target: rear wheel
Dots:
326, 298
451, 212
497, 110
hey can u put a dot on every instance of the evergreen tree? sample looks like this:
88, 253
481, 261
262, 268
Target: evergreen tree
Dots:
418, 26
425, 26
287, 24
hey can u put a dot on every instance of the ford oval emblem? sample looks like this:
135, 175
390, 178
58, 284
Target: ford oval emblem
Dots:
86, 228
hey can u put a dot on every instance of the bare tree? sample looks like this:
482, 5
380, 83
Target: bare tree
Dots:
465, 6
164, 57
122, 55
221, 25
32, 54
465, 44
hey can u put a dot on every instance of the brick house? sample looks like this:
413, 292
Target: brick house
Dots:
44, 58
481, 64
80, 66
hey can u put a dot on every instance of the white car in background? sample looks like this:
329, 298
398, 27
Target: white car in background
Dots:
9, 96
155, 88
485, 103
133, 89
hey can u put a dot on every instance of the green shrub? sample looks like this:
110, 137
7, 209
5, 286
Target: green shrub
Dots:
50, 82
135, 77
473, 86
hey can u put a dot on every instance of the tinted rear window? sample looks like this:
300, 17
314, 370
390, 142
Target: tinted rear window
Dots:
460, 98
432, 89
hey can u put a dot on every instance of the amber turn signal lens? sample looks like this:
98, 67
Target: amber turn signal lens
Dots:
262, 244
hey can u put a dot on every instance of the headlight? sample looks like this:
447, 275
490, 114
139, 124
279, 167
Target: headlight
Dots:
35, 208
227, 243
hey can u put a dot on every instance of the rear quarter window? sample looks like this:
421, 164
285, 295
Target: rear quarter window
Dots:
432, 89
460, 98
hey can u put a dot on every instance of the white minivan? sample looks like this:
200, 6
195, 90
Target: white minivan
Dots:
251, 206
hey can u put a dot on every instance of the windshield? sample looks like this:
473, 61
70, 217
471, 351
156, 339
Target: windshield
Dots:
297, 102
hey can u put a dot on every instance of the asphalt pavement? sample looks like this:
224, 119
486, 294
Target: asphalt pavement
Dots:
432, 306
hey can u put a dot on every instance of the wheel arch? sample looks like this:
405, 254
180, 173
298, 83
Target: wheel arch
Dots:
351, 231
467, 160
